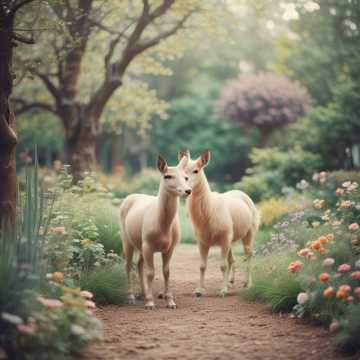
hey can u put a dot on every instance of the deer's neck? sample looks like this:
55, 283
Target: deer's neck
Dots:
199, 202
167, 209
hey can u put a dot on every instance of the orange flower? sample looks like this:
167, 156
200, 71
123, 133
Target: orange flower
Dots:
324, 277
350, 299
357, 291
339, 191
345, 288
328, 292
322, 251
58, 276
323, 240
316, 245
341, 294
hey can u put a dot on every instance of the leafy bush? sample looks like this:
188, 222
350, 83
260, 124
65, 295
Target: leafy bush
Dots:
108, 284
187, 232
274, 170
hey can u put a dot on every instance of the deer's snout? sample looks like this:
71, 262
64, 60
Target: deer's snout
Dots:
188, 191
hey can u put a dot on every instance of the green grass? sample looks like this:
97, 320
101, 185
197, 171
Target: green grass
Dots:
187, 233
107, 219
272, 284
108, 284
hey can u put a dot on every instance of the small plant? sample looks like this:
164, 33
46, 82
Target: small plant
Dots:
108, 284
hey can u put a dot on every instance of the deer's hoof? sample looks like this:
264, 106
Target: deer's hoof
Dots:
131, 299
231, 283
140, 296
150, 306
171, 306
161, 296
223, 293
197, 293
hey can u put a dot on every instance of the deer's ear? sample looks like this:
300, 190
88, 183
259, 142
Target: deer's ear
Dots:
183, 162
161, 164
204, 158
183, 153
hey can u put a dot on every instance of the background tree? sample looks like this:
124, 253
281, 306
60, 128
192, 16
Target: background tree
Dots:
120, 36
10, 37
263, 101
323, 49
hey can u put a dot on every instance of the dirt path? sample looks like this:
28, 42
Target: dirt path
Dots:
205, 328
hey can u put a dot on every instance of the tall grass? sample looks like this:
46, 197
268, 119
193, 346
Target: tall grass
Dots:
187, 233
108, 284
272, 284
20, 253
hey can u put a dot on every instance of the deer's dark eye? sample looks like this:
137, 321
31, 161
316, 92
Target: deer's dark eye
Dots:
195, 171
167, 177
186, 178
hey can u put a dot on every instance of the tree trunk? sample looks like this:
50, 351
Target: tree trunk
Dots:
8, 138
265, 133
80, 141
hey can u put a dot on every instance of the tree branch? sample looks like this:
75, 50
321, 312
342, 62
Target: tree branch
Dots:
23, 39
25, 106
18, 6
54, 91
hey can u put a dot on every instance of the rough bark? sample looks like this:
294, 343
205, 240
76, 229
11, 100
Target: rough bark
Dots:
8, 138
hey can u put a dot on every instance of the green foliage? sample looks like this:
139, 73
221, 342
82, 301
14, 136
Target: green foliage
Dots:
108, 284
192, 125
274, 169
329, 130
32, 326
272, 284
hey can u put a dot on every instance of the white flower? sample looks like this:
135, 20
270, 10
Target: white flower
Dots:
302, 298
77, 330
346, 184
328, 262
12, 319
357, 264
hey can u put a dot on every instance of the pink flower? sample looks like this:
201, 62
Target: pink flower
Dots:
87, 294
26, 329
357, 291
57, 230
295, 266
304, 252
344, 268
90, 304
356, 275
353, 226
50, 303
334, 326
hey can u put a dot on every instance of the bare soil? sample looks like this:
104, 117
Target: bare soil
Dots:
209, 327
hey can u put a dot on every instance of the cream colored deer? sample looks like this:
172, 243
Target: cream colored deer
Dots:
219, 220
150, 224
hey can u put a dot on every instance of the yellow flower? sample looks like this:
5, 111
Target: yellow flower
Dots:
87, 242
318, 204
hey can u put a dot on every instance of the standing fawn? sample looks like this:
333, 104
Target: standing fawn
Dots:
219, 220
150, 224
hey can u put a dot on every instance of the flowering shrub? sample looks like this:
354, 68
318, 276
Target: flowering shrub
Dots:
265, 101
322, 245
58, 327
331, 272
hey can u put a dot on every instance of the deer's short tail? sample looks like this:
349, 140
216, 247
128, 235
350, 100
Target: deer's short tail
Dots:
256, 219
